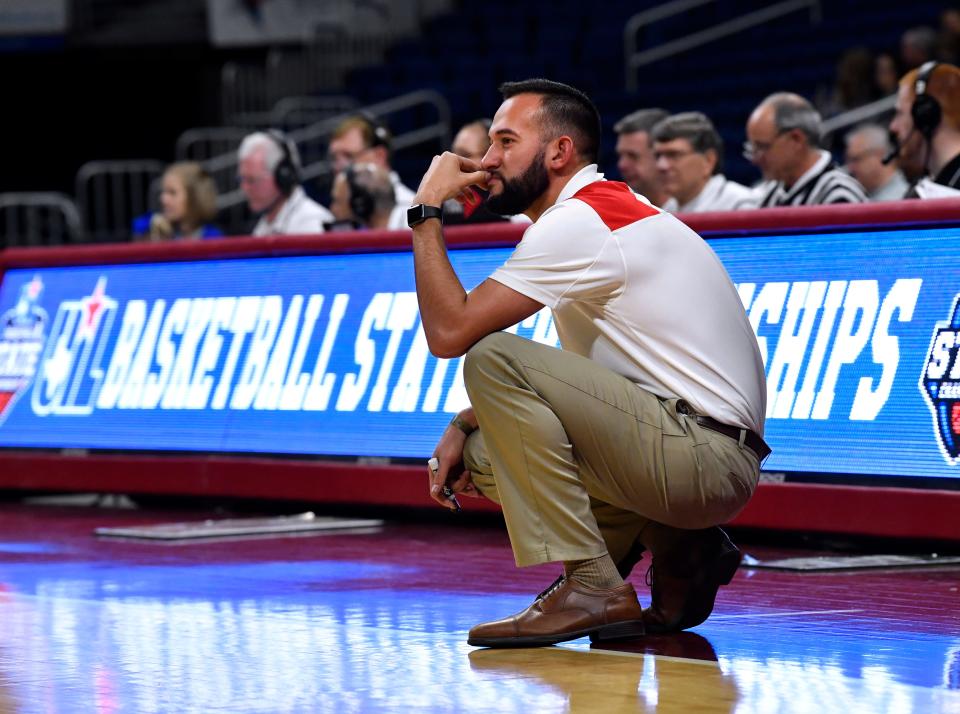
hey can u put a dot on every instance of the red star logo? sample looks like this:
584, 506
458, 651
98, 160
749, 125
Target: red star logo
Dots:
34, 287
91, 308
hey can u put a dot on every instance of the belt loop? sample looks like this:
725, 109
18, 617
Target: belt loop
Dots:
743, 437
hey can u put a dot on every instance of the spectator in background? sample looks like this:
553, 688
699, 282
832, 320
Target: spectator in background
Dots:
917, 46
927, 127
855, 83
866, 147
471, 142
948, 39
783, 136
270, 173
689, 156
188, 201
635, 160
363, 197
886, 73
362, 139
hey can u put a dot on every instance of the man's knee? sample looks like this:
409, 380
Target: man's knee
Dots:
494, 348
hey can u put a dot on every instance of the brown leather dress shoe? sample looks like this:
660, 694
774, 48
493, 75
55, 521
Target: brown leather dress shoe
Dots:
566, 611
685, 578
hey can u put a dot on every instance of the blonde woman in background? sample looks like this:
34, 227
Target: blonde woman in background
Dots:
188, 200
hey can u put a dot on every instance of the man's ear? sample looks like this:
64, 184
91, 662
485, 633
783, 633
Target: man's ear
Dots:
380, 156
712, 157
561, 153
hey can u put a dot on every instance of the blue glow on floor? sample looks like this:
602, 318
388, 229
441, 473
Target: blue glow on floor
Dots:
29, 548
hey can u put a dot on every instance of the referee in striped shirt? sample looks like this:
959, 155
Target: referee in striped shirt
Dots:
783, 137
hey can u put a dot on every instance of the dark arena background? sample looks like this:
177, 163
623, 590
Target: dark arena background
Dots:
213, 491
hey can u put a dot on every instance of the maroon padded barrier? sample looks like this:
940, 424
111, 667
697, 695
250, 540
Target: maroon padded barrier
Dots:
865, 510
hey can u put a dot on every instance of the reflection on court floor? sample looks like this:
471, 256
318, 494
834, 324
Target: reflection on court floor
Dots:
377, 622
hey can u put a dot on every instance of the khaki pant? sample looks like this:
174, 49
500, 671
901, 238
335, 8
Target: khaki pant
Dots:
582, 460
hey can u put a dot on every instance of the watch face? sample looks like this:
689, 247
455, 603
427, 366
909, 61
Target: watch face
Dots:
419, 213
415, 215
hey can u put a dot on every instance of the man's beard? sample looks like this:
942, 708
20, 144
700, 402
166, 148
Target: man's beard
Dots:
518, 194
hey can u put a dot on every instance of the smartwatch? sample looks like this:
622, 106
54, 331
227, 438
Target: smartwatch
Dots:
421, 212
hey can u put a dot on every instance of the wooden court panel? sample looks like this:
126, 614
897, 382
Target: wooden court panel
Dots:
377, 622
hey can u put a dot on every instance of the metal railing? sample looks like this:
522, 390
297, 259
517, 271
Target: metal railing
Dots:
294, 112
634, 58
205, 143
856, 116
290, 113
110, 194
38, 218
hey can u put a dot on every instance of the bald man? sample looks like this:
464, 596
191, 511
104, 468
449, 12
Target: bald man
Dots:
783, 141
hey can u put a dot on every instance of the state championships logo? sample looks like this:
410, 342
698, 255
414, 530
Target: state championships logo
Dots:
940, 383
21, 342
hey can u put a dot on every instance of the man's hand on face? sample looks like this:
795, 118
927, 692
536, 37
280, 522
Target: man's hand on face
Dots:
450, 176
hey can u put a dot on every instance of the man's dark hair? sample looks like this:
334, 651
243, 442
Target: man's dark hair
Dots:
641, 120
696, 128
564, 110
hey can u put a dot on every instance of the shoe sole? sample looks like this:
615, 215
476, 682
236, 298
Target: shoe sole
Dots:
720, 573
626, 630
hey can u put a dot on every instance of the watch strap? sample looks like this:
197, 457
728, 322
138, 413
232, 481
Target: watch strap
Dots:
421, 212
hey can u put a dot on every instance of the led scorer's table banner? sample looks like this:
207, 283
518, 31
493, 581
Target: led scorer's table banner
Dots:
324, 354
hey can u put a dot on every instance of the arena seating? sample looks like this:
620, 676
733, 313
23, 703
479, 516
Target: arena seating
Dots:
467, 54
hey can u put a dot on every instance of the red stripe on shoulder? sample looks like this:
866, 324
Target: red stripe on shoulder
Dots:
615, 203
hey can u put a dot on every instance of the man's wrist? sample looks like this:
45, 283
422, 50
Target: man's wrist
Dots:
427, 199
463, 425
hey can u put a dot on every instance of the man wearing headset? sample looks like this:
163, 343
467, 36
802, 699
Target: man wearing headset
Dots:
926, 124
270, 174
363, 197
361, 138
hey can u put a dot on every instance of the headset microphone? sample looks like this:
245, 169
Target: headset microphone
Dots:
894, 151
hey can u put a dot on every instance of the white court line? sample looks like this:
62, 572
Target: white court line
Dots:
749, 616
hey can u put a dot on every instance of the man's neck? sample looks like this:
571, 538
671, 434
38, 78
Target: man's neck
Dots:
883, 178
805, 164
686, 196
549, 197
276, 207
946, 145
658, 198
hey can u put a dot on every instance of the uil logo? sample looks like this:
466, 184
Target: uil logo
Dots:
940, 383
69, 372
21, 341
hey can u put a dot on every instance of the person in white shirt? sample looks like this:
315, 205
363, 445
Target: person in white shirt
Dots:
362, 197
689, 155
363, 139
867, 145
644, 431
635, 159
270, 174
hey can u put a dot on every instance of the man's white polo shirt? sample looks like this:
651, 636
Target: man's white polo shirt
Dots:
634, 289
